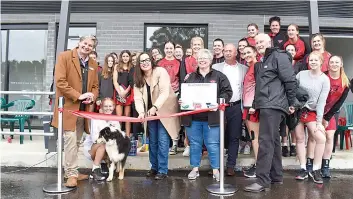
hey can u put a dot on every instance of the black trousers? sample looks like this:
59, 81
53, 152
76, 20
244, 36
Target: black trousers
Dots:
234, 129
269, 159
136, 127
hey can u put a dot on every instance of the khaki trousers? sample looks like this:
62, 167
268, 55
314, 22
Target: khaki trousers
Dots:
71, 144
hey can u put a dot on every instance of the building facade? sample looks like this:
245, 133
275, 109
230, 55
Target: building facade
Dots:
30, 30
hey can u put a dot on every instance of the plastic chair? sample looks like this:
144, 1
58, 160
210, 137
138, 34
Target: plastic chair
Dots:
22, 105
2, 103
343, 125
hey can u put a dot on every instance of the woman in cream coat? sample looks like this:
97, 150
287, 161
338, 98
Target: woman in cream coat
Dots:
154, 96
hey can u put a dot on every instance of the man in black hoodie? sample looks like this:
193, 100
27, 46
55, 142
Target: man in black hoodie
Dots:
278, 37
275, 93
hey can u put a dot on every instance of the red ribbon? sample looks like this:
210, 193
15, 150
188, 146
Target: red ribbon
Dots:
222, 107
100, 116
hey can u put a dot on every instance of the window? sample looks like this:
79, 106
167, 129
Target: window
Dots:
23, 63
76, 31
3, 58
157, 34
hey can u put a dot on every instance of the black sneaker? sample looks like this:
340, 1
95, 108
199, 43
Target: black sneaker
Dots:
293, 151
285, 152
151, 173
104, 167
325, 172
302, 175
316, 176
309, 165
251, 172
160, 176
97, 175
325, 168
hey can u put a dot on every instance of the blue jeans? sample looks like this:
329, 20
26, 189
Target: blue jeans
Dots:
158, 146
198, 133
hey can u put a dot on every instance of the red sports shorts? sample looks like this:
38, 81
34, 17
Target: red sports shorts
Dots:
310, 116
251, 117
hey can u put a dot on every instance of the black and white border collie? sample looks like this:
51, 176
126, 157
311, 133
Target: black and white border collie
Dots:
117, 146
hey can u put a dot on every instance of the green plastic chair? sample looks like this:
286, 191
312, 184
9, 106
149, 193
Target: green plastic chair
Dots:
2, 103
22, 105
348, 109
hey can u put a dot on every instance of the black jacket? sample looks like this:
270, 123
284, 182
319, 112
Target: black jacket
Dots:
276, 84
299, 66
182, 71
279, 40
224, 90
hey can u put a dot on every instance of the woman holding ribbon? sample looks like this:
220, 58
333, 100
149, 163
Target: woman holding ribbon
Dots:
204, 127
154, 96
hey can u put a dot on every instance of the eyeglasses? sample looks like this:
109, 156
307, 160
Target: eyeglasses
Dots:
202, 58
145, 61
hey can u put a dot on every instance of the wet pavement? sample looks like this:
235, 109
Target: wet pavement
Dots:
29, 184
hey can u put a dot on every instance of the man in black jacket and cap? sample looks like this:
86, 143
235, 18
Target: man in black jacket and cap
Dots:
275, 93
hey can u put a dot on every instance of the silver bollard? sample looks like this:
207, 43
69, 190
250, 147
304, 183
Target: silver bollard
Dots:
59, 187
221, 188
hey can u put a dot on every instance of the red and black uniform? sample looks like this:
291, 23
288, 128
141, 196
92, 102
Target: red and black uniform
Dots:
335, 99
123, 81
249, 94
172, 67
251, 41
100, 68
301, 47
241, 61
217, 60
188, 65
324, 66
279, 39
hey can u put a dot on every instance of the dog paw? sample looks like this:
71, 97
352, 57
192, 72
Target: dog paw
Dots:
121, 178
109, 179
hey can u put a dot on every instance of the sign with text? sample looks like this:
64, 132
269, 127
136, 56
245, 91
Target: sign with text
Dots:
198, 96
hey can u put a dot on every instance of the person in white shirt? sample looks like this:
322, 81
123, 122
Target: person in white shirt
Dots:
96, 152
235, 73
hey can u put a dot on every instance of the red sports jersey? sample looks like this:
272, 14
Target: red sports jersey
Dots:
324, 67
251, 41
190, 64
336, 91
249, 86
172, 67
300, 46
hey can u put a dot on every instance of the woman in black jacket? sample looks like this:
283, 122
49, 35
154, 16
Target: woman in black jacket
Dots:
204, 127
278, 37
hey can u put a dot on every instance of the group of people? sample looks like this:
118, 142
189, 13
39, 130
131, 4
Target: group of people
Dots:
273, 85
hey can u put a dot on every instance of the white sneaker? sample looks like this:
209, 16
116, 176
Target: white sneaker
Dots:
173, 150
186, 152
247, 150
193, 175
240, 148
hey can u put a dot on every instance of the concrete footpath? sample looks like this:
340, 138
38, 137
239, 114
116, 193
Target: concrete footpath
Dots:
33, 152
29, 184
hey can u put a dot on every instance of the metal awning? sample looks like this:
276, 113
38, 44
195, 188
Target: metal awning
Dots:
280, 8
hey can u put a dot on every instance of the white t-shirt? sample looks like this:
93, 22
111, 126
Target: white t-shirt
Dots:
96, 127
